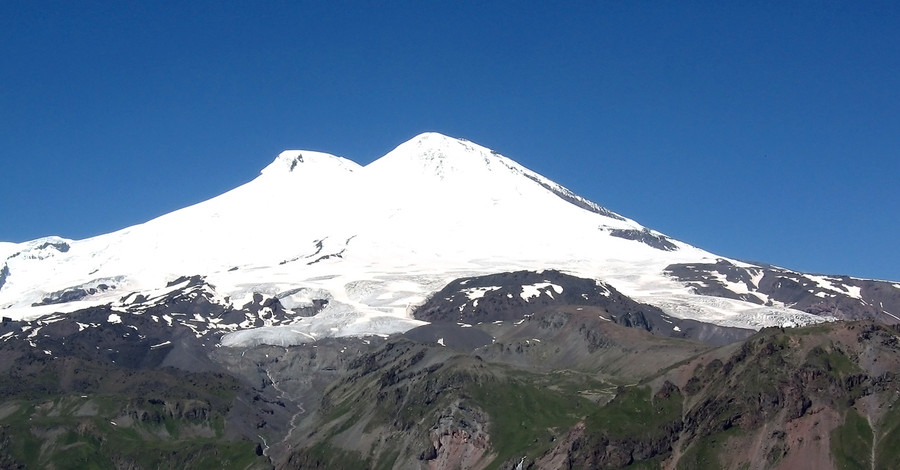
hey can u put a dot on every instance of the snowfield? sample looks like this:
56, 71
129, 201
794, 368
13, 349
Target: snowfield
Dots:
373, 241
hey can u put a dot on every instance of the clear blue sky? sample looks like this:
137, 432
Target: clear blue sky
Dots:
766, 131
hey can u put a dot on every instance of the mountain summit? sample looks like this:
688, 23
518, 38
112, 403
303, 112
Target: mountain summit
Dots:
359, 247
309, 163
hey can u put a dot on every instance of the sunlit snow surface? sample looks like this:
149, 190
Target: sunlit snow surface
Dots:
375, 241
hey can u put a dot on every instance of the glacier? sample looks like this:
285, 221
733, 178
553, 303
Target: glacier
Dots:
374, 241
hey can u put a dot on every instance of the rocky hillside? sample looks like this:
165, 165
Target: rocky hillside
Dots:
814, 397
515, 370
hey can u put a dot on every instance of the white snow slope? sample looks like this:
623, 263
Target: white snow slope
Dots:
376, 240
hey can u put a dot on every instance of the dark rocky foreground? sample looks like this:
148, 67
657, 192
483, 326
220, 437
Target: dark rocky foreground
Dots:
530, 376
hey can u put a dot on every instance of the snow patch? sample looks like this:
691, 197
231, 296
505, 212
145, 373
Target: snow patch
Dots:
891, 314
534, 290
475, 293
835, 285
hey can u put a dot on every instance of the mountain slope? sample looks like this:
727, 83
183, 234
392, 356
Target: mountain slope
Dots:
814, 397
362, 246
441, 307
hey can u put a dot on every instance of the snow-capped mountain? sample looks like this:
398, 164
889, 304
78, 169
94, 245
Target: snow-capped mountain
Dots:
349, 250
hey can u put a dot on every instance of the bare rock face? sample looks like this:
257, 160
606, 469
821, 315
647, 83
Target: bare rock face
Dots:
459, 440
512, 296
559, 456
841, 297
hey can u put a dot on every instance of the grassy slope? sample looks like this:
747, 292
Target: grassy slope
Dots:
699, 413
67, 412
702, 409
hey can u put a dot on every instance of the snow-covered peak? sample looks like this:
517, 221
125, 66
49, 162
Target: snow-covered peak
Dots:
447, 172
378, 239
309, 162
433, 140
432, 157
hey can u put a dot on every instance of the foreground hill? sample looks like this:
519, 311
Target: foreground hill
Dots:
817, 397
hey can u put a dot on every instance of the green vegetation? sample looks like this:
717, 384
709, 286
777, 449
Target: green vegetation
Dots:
887, 451
393, 402
813, 330
650, 464
103, 431
82, 411
704, 453
831, 360
323, 455
635, 414
851, 443
525, 417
